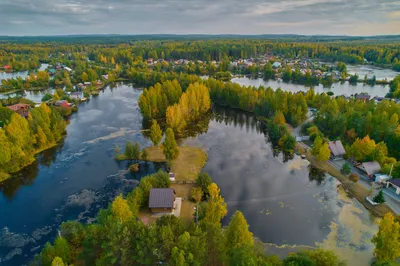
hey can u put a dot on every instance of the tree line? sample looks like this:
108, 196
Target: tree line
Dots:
21, 139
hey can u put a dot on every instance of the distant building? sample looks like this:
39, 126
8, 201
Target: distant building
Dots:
161, 200
105, 77
337, 149
62, 103
362, 97
21, 109
370, 168
76, 95
52, 71
7, 67
68, 69
276, 65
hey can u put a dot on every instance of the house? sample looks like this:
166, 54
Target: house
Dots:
362, 97
150, 60
7, 67
370, 168
380, 178
21, 109
87, 83
76, 95
394, 183
52, 71
276, 65
62, 103
105, 77
161, 200
68, 69
337, 149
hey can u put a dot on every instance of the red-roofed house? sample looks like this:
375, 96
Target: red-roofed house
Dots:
7, 67
20, 108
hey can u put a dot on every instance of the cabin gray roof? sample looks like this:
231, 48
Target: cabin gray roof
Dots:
395, 182
371, 167
337, 148
161, 198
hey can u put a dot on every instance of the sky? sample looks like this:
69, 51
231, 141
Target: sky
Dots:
309, 17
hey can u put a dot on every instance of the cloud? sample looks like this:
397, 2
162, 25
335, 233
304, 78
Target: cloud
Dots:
43, 17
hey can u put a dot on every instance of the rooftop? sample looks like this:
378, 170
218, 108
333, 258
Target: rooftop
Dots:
161, 198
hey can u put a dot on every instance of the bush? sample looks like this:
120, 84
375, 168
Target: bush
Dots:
379, 198
345, 169
354, 178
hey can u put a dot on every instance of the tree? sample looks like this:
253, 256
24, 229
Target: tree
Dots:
84, 77
268, 71
379, 198
196, 194
203, 181
317, 145
216, 207
73, 232
237, 233
345, 169
57, 261
117, 149
132, 151
279, 118
170, 148
324, 152
354, 178
144, 155
47, 255
120, 209
62, 249
387, 244
155, 133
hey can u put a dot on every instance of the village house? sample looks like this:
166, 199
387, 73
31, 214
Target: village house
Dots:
394, 184
105, 77
337, 149
362, 97
76, 95
276, 65
150, 61
161, 200
68, 69
370, 168
21, 109
62, 103
7, 67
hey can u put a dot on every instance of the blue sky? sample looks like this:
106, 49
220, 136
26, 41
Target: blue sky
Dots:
331, 17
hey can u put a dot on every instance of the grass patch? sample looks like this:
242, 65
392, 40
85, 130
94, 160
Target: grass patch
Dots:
183, 191
188, 164
353, 189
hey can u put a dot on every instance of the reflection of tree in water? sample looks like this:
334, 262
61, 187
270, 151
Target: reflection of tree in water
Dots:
27, 175
316, 174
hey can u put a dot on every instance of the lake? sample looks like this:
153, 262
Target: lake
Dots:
284, 200
22, 74
337, 88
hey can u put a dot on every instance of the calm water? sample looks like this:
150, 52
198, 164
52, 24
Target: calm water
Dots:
22, 74
337, 88
370, 71
284, 200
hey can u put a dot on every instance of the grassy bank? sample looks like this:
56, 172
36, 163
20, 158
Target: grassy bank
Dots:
353, 189
186, 167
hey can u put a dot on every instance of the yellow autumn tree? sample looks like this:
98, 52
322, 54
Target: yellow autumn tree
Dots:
120, 209
216, 207
387, 244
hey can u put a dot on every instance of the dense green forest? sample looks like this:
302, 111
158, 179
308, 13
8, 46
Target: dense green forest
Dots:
21, 139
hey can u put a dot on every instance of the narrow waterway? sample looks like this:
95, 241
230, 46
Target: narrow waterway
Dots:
284, 199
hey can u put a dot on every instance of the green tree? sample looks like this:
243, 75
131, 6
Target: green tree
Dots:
237, 233
155, 133
48, 254
379, 198
387, 244
268, 71
73, 232
345, 169
203, 181
144, 155
170, 148
62, 249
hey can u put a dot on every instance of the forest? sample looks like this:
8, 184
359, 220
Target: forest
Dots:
21, 139
119, 237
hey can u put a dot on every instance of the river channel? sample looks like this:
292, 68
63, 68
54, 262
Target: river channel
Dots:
284, 199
